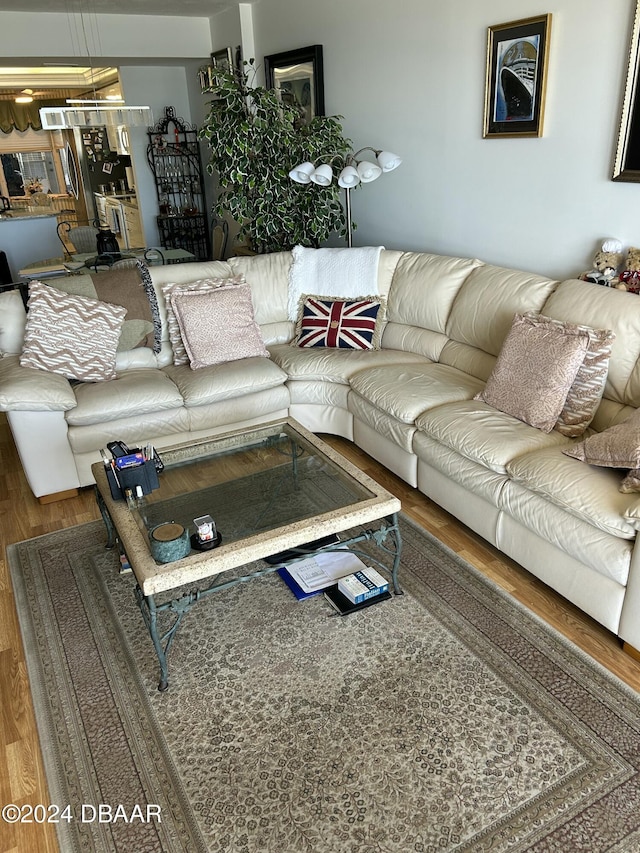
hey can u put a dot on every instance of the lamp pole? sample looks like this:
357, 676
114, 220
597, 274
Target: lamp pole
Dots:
347, 205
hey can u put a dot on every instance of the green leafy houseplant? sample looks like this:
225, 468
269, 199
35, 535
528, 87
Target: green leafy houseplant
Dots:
255, 140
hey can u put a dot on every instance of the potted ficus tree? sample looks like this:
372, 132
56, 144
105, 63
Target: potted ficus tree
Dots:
255, 140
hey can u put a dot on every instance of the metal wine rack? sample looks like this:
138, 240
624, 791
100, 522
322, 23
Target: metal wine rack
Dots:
173, 154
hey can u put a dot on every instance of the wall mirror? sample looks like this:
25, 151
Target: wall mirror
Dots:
626, 166
297, 77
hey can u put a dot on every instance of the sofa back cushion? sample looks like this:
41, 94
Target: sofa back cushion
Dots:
483, 312
421, 296
604, 307
13, 317
268, 277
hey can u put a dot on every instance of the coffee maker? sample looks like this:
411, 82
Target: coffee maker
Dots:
107, 244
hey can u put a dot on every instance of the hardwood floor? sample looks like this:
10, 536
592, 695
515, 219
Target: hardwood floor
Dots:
21, 773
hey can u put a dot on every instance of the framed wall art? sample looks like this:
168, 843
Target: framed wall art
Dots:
517, 58
226, 60
205, 78
297, 76
626, 166
223, 59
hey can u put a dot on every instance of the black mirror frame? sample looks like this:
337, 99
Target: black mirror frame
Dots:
312, 54
626, 165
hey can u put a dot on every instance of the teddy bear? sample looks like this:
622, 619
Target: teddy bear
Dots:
629, 278
605, 264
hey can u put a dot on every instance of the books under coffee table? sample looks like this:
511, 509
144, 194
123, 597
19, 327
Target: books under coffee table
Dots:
362, 585
343, 606
312, 575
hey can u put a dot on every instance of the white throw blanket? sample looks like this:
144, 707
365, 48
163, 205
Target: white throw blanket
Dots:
332, 272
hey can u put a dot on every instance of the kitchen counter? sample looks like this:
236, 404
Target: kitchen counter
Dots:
131, 198
34, 212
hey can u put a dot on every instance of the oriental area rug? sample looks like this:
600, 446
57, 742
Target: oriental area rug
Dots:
445, 719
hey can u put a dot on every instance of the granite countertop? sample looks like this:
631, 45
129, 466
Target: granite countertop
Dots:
27, 213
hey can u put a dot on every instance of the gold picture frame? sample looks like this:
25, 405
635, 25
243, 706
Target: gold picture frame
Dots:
205, 77
515, 88
223, 59
626, 164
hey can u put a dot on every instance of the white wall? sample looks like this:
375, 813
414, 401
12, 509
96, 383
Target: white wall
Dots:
54, 35
411, 78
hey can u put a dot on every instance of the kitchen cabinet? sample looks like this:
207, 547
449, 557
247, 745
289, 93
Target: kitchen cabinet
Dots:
101, 208
173, 154
132, 226
118, 137
121, 214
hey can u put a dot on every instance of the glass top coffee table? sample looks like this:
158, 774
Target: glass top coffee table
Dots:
271, 490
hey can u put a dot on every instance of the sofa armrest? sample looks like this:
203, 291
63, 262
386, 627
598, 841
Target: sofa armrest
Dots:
30, 390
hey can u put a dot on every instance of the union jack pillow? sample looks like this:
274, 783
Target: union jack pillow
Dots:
339, 323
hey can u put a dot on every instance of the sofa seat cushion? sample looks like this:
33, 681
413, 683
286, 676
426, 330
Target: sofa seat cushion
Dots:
381, 423
475, 478
609, 556
136, 392
405, 391
132, 428
268, 404
319, 393
485, 435
335, 365
589, 493
224, 381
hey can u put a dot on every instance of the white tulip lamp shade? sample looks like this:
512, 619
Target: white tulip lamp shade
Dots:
323, 175
302, 174
349, 177
388, 161
368, 171
353, 172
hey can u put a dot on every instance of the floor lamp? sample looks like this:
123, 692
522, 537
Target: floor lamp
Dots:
353, 172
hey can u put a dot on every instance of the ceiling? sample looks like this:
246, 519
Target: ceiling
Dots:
57, 83
182, 9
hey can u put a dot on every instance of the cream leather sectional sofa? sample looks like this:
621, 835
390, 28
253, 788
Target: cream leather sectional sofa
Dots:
410, 405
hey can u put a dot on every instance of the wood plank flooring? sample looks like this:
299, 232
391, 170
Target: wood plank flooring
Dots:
23, 517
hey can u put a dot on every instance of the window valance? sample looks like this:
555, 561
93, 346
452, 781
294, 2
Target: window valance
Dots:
19, 116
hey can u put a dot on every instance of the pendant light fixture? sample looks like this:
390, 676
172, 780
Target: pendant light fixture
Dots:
94, 111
